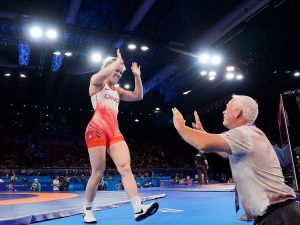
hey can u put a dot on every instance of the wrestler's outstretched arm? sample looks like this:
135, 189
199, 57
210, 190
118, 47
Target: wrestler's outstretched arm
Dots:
137, 94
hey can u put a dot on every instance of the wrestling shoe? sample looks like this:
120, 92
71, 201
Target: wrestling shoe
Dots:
88, 216
146, 211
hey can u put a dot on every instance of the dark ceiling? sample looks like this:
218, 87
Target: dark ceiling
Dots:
260, 37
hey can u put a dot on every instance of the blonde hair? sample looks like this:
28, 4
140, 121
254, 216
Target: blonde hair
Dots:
107, 61
248, 106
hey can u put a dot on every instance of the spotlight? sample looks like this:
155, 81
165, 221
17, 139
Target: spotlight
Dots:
211, 78
68, 54
186, 92
7, 75
126, 86
51, 34
22, 75
203, 58
56, 53
136, 120
229, 76
230, 68
216, 60
36, 32
157, 109
96, 57
203, 73
117, 85
132, 46
239, 77
297, 74
144, 48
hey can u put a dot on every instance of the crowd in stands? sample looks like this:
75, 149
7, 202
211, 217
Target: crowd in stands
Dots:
53, 152
37, 180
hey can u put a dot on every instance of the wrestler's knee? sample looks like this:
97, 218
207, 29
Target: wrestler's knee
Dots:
124, 169
97, 174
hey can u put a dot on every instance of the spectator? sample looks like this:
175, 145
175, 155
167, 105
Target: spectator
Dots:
13, 178
25, 179
196, 179
230, 180
36, 186
82, 178
102, 185
11, 188
56, 183
188, 181
147, 184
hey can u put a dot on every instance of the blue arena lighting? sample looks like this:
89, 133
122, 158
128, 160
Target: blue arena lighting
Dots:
24, 54
57, 61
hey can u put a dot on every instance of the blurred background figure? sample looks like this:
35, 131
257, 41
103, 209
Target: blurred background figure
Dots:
56, 183
11, 188
201, 165
36, 186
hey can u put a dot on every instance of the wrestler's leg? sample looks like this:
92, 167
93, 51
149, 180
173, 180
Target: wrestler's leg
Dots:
97, 157
119, 153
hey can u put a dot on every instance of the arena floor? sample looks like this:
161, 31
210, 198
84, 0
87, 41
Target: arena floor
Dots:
209, 205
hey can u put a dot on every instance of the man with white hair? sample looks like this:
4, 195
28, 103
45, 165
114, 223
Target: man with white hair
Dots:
36, 186
255, 167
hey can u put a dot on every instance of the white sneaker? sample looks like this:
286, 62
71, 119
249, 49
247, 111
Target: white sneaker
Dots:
146, 210
88, 216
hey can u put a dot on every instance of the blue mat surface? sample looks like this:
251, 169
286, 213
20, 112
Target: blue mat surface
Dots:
177, 208
40, 211
7, 196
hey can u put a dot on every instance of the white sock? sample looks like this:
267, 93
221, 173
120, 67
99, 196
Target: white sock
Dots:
136, 202
88, 206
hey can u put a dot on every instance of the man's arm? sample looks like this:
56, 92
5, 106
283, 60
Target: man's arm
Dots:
201, 140
198, 126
